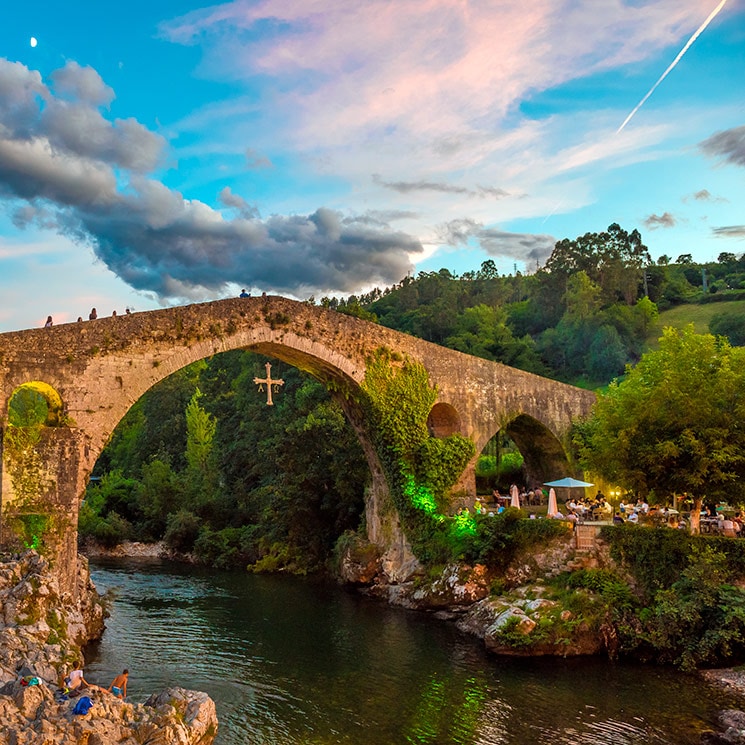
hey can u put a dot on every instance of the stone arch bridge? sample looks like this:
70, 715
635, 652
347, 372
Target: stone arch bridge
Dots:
92, 372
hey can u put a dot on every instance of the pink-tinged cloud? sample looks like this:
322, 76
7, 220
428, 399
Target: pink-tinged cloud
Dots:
353, 69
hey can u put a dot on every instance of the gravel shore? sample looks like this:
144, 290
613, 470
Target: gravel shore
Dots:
732, 679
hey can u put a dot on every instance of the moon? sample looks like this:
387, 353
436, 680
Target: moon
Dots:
33, 41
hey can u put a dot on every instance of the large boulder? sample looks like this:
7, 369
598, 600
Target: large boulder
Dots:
525, 624
457, 588
359, 560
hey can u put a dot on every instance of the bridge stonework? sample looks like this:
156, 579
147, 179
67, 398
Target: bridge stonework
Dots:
101, 368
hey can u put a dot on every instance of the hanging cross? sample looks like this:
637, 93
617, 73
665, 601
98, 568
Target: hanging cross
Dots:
269, 383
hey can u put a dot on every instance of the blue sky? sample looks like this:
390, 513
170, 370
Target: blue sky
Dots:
158, 153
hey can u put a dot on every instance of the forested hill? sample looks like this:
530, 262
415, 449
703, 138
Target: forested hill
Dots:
202, 462
591, 310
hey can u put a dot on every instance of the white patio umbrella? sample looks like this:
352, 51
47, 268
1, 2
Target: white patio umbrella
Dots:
514, 496
552, 508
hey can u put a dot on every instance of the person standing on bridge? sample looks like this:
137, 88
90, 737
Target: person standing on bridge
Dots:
92, 315
49, 322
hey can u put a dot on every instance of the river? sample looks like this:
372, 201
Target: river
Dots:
290, 660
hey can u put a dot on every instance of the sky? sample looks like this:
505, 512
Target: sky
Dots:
161, 153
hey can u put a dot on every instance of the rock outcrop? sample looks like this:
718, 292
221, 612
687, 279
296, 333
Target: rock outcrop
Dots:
40, 627
523, 623
512, 609
453, 591
30, 715
42, 631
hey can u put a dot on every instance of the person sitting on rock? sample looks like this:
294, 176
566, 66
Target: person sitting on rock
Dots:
119, 685
75, 682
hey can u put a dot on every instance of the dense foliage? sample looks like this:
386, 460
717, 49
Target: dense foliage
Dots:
674, 424
581, 318
685, 608
203, 462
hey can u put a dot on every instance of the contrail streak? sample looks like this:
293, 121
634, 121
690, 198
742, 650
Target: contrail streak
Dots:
690, 41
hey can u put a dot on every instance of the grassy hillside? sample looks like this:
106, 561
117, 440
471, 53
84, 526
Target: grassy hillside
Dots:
698, 315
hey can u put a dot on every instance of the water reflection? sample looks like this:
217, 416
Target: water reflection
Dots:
297, 661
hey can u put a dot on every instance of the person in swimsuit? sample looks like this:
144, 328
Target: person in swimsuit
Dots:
119, 685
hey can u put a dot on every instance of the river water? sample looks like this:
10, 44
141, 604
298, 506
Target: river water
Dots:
290, 660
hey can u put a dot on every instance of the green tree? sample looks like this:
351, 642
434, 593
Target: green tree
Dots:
483, 332
583, 298
607, 354
488, 270
613, 259
201, 477
731, 325
674, 424
159, 494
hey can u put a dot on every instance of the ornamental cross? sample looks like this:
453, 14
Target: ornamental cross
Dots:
269, 383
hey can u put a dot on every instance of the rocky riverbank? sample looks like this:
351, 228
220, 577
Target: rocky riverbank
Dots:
513, 611
42, 631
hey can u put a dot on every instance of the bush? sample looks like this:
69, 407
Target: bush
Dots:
613, 590
701, 618
498, 538
109, 531
654, 557
731, 325
219, 548
657, 558
182, 530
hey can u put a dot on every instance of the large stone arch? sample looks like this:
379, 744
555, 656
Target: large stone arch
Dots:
342, 379
544, 452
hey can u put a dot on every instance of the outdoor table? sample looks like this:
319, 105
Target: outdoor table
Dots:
711, 525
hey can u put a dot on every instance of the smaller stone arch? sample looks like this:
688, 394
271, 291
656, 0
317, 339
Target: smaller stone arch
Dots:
36, 403
443, 420
543, 453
